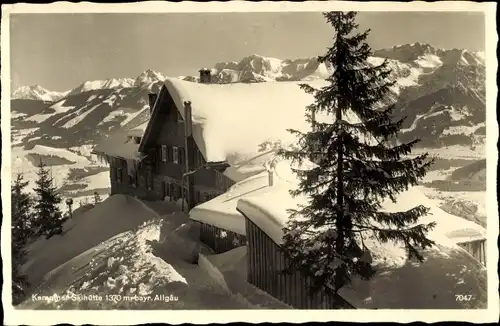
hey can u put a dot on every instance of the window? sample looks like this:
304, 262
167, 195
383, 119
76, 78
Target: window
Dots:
179, 117
163, 153
175, 154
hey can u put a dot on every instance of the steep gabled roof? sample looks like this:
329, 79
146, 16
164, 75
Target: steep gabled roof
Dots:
230, 121
153, 121
236, 118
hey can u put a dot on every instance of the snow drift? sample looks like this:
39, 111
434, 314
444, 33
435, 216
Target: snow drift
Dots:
129, 251
113, 216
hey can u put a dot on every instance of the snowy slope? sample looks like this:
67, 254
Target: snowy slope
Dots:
82, 233
76, 173
116, 249
447, 107
64, 133
83, 118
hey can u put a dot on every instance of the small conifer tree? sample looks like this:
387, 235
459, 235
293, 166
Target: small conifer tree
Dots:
48, 217
21, 206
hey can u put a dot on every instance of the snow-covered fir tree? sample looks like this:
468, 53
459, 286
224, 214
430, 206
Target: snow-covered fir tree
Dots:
21, 207
355, 168
48, 217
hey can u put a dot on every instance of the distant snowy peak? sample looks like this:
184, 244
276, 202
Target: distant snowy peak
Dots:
257, 68
407, 61
427, 56
148, 77
260, 65
36, 92
113, 83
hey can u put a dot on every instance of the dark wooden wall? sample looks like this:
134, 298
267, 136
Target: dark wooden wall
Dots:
266, 260
477, 249
141, 187
220, 240
171, 133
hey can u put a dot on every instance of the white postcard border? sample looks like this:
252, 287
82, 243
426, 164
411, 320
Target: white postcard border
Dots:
32, 317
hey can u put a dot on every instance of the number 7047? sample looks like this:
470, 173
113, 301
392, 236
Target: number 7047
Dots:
463, 297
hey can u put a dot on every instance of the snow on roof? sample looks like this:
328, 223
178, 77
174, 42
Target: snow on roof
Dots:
230, 121
140, 129
59, 152
121, 144
267, 208
221, 210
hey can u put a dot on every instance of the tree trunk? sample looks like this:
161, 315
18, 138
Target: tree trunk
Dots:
339, 242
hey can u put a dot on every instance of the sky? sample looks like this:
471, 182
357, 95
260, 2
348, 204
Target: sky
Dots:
60, 51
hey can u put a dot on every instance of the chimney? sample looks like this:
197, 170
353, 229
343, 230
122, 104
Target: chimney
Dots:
205, 76
188, 125
152, 100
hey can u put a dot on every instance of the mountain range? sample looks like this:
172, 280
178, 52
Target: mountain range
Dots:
441, 93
